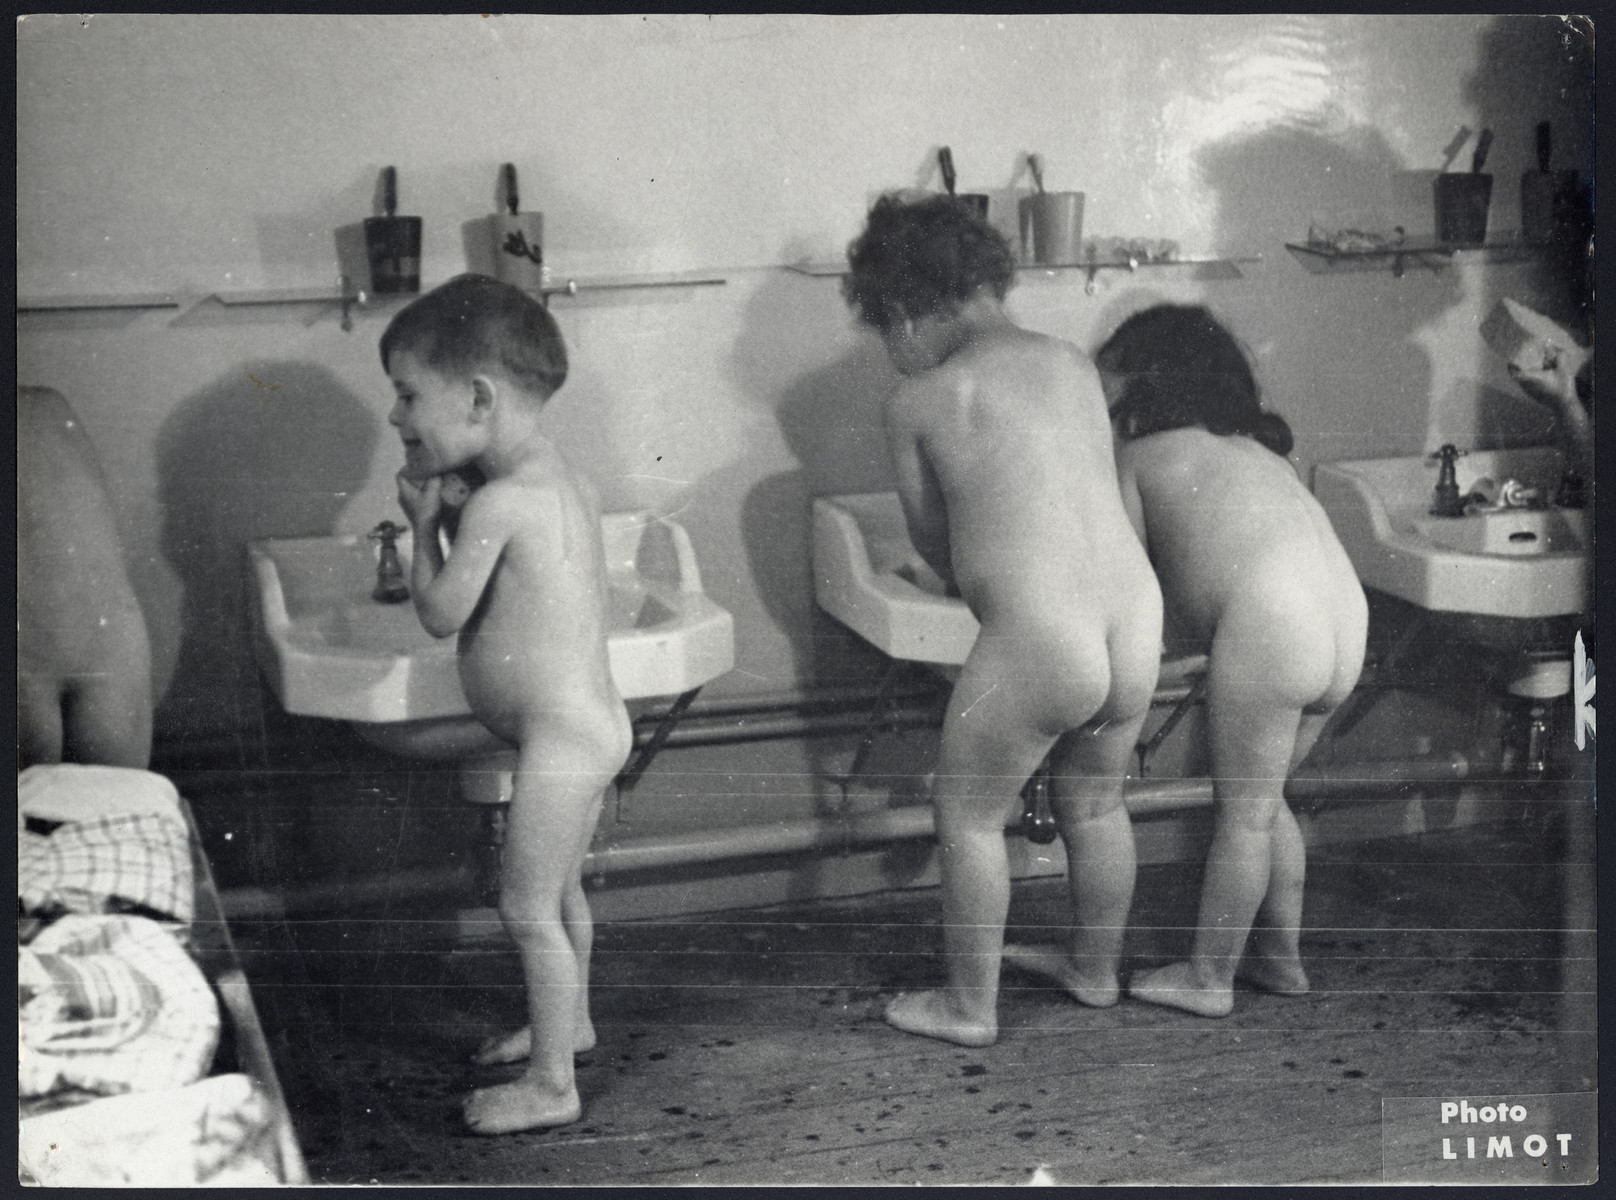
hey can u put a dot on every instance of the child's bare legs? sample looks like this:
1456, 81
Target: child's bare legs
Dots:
580, 926
1253, 738
988, 752
1088, 768
557, 795
1274, 962
517, 1044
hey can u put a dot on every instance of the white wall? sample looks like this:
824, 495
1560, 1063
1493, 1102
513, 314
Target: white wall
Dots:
223, 150
201, 152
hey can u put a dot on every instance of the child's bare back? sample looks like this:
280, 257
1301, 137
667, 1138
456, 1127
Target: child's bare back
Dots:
1231, 526
1004, 463
1253, 575
1015, 431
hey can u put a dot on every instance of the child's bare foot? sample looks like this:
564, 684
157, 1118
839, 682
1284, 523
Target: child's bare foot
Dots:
930, 1015
518, 1044
1283, 975
1176, 986
1050, 962
520, 1104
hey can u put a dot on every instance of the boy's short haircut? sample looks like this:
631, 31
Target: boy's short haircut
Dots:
476, 323
1180, 368
917, 258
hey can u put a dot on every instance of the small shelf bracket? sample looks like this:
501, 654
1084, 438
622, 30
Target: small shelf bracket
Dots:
1091, 285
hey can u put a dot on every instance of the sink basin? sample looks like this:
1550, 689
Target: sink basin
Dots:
329, 650
1515, 531
1510, 562
869, 576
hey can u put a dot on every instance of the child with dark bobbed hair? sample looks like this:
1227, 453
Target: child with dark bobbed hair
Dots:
1253, 577
1180, 367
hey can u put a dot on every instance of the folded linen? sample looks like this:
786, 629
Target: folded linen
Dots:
220, 1132
111, 1004
83, 792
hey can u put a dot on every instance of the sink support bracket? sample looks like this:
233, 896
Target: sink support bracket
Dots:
881, 717
1146, 748
664, 726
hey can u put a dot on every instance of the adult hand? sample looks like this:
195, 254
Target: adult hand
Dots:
1547, 372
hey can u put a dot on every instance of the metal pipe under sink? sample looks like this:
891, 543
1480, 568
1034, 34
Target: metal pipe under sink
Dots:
1366, 780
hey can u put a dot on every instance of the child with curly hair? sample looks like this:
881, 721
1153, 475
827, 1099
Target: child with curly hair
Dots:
1003, 455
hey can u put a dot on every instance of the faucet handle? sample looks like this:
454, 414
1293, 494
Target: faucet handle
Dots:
1446, 453
387, 531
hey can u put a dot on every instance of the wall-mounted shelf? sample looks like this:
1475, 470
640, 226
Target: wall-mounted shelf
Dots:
310, 305
1324, 259
87, 303
1223, 267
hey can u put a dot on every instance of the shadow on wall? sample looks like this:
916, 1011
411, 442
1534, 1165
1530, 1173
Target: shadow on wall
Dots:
271, 450
1531, 69
1541, 68
830, 417
1349, 344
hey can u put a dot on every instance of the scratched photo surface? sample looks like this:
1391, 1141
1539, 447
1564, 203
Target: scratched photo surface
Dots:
218, 216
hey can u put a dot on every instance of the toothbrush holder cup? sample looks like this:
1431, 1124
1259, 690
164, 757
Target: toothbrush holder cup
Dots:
393, 246
1052, 227
518, 246
1461, 207
1545, 199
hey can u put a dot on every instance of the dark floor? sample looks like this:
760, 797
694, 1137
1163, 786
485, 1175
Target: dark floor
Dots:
748, 1047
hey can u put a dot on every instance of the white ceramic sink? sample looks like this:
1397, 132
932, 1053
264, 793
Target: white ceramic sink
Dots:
329, 650
1508, 562
869, 576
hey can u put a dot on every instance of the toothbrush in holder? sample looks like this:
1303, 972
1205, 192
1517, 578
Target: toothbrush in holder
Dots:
1036, 169
518, 239
507, 180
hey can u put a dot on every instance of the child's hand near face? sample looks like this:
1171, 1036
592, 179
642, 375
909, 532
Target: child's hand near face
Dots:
422, 502
457, 489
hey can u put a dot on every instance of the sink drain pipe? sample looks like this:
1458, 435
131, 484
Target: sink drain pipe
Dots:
1392, 778
1143, 798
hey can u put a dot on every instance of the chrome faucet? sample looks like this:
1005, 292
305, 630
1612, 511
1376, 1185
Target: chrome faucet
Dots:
390, 586
1447, 501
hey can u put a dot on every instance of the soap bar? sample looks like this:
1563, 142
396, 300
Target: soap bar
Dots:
1512, 329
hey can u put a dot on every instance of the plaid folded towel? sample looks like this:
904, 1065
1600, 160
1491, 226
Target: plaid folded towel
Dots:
109, 864
112, 1004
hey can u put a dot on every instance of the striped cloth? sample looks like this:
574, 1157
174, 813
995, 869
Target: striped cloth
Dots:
111, 1004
